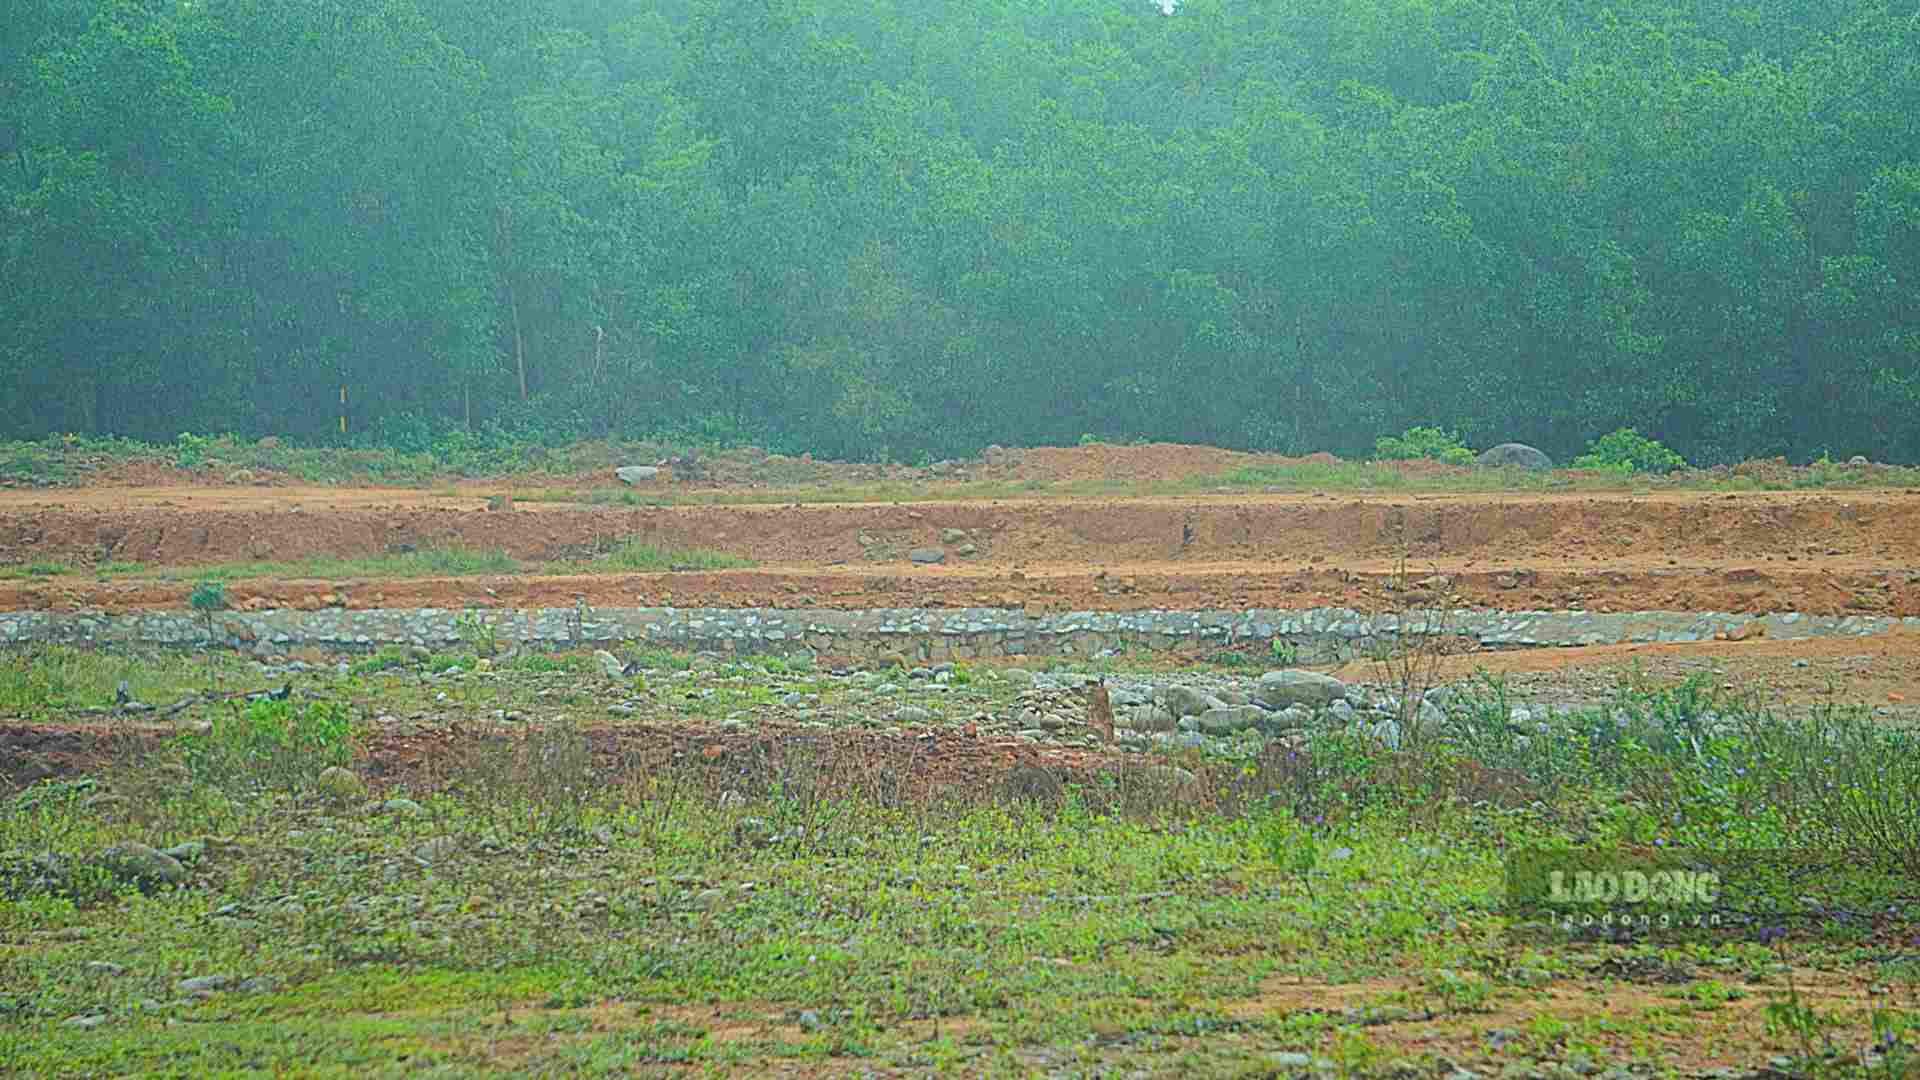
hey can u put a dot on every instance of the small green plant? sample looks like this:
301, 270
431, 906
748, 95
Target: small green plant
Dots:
1088, 438
208, 597
1283, 651
1627, 451
1432, 443
190, 450
390, 658
477, 634
270, 744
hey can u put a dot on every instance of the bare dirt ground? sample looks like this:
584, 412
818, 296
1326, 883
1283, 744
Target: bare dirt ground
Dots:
1820, 552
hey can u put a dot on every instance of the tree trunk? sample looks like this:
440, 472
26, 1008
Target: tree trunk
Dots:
519, 341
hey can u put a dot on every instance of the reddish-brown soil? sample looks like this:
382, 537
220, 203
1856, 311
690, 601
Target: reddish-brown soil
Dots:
429, 758
1819, 553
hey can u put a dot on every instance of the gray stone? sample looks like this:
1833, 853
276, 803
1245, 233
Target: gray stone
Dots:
92, 1021
437, 850
610, 664
1228, 719
1291, 718
952, 536
203, 984
1184, 701
912, 714
1017, 676
143, 866
1516, 454
927, 555
340, 783
1279, 689
636, 474
1149, 717
1290, 1059
403, 807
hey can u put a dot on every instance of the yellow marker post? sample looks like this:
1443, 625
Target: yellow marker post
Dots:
343, 408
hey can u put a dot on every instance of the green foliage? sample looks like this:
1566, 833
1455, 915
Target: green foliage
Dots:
1628, 451
267, 744
190, 450
638, 557
208, 597
1434, 443
387, 658
885, 232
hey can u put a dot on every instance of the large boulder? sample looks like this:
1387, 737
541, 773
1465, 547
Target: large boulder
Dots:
1513, 453
1231, 719
142, 865
1183, 701
1280, 689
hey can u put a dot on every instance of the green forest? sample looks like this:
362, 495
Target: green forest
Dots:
883, 230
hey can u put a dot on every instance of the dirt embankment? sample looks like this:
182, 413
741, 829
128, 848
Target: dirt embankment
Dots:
1852, 532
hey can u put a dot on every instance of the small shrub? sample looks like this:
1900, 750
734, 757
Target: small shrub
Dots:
390, 658
1628, 451
270, 744
190, 450
208, 597
1432, 443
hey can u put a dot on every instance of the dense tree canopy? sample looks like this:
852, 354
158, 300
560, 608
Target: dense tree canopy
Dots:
877, 228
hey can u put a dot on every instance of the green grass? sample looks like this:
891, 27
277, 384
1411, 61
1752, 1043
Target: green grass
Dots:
636, 557
34, 570
39, 681
632, 557
554, 910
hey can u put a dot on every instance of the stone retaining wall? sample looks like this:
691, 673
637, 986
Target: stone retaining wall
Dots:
1315, 634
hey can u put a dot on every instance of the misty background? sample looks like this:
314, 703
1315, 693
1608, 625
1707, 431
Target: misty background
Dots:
909, 229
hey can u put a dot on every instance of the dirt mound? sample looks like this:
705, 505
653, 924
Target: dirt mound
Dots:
1147, 463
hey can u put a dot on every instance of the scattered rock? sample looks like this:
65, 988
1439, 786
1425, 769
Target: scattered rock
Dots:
1230, 719
952, 536
912, 714
339, 783
403, 807
610, 664
1858, 460
438, 849
1184, 701
141, 865
636, 474
927, 556
241, 476
1291, 718
1518, 454
1149, 717
203, 984
1279, 689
